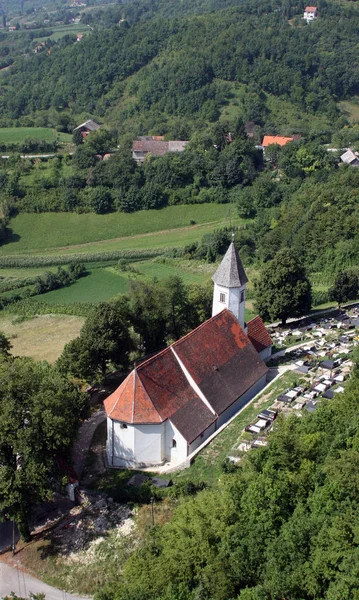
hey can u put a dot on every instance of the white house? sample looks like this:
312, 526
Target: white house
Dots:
350, 158
171, 403
310, 13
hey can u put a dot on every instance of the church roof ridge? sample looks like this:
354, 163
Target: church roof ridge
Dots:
230, 272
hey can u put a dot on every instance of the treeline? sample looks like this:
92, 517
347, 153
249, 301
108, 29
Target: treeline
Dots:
281, 525
17, 291
28, 146
210, 170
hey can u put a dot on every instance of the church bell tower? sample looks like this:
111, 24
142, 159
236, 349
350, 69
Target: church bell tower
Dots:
230, 282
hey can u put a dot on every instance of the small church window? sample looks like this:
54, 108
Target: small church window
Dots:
222, 297
174, 443
242, 296
123, 426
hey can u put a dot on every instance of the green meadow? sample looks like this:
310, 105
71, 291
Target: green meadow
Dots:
47, 232
16, 135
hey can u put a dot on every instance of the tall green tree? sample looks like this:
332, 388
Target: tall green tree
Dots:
345, 287
283, 289
39, 416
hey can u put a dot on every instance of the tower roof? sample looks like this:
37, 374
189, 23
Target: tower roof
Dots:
230, 273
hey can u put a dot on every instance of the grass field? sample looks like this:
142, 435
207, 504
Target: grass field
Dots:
49, 231
43, 337
350, 109
16, 135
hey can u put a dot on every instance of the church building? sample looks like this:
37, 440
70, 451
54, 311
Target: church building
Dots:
172, 402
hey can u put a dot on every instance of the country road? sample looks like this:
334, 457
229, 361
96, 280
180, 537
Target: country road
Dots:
14, 580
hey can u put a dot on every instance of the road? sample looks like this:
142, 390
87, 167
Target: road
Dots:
14, 580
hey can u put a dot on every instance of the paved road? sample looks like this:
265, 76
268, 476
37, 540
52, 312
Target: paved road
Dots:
82, 445
14, 580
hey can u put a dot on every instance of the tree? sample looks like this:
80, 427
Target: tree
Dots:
104, 339
283, 289
39, 416
5, 345
77, 138
346, 287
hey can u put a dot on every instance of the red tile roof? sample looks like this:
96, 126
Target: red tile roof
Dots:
221, 360
218, 357
258, 334
275, 139
310, 8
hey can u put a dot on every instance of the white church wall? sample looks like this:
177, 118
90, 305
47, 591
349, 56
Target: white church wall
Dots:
242, 401
266, 353
202, 438
178, 452
149, 444
120, 444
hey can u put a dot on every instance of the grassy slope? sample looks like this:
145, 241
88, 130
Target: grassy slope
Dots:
36, 233
15, 135
43, 337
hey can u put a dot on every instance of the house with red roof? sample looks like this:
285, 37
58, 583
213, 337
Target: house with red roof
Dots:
310, 13
172, 402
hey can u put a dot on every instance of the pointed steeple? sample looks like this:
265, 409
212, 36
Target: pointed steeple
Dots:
230, 273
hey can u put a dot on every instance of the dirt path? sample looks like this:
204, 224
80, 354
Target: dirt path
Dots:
82, 445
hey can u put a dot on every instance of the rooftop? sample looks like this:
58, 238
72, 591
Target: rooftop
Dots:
230, 272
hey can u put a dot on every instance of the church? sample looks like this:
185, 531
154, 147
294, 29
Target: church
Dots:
172, 402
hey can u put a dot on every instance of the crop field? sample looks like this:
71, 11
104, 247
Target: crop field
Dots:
16, 135
98, 286
71, 232
42, 337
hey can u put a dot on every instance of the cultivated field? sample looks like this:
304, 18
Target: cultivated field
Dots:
42, 337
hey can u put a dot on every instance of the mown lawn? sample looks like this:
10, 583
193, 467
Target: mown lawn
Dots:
16, 135
47, 231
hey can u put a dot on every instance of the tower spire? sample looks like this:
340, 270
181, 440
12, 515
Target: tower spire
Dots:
230, 281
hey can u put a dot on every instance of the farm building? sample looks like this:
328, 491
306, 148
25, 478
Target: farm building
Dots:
87, 127
171, 403
156, 146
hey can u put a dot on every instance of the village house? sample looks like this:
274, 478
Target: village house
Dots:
172, 402
310, 13
87, 127
350, 158
280, 140
156, 146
